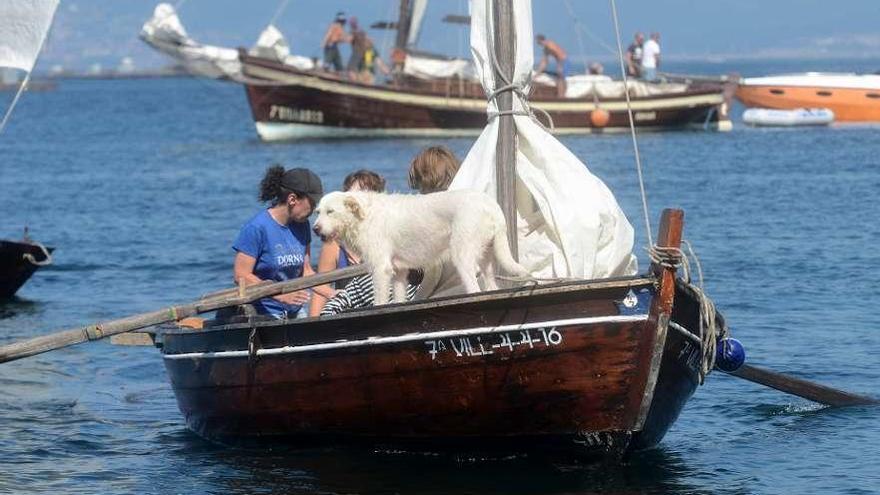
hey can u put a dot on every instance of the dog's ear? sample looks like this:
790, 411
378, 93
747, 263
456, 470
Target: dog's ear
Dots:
354, 207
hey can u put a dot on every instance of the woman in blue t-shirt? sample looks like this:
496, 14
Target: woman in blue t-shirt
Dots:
274, 244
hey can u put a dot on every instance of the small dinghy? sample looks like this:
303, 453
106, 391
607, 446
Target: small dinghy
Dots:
795, 117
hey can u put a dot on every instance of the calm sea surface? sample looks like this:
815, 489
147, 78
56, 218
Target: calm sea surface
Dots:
142, 185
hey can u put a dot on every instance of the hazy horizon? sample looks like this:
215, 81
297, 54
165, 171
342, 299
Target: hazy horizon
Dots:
88, 32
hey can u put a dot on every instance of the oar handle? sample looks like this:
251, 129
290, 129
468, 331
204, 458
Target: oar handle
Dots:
801, 388
58, 340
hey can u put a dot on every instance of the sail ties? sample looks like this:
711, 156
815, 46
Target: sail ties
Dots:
711, 330
524, 101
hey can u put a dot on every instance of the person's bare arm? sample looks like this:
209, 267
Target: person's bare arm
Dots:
382, 67
243, 270
327, 261
542, 64
326, 38
308, 271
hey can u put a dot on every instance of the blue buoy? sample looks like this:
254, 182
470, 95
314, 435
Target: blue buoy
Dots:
729, 355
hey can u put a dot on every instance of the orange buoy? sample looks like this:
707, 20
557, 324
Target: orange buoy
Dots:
599, 117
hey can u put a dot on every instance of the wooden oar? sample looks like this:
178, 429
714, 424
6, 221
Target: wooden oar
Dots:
225, 299
801, 388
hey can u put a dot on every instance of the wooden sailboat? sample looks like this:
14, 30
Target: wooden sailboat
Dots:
290, 103
599, 366
588, 366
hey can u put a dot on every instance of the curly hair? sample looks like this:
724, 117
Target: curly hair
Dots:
271, 189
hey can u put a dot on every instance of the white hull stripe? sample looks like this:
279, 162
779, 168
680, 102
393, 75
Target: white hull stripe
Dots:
474, 104
412, 337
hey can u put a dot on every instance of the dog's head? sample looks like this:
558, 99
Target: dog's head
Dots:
337, 212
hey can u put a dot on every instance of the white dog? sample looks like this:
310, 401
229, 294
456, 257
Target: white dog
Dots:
398, 232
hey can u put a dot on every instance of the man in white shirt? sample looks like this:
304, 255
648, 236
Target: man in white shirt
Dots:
651, 57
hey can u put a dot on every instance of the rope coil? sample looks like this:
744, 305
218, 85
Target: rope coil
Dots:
709, 331
47, 257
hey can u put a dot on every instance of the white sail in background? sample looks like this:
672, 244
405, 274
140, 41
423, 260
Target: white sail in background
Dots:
272, 45
166, 33
415, 24
23, 28
569, 223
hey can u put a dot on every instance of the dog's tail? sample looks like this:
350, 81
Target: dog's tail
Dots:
504, 258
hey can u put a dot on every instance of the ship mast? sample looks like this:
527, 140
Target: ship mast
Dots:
404, 18
505, 151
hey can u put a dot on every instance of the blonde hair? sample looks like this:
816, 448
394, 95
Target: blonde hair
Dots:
433, 169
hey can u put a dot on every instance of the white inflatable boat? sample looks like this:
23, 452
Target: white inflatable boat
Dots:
796, 117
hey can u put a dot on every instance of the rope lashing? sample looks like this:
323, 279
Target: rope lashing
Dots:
709, 331
509, 86
47, 257
527, 111
93, 332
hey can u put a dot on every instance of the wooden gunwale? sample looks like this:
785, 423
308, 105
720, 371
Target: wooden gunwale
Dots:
506, 297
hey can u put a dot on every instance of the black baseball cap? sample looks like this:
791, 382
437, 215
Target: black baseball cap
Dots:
303, 181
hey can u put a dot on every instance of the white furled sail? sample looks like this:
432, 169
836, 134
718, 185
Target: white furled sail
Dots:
568, 222
166, 33
433, 68
272, 45
23, 28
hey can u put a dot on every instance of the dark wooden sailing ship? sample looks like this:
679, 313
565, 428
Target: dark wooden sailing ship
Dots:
289, 103
585, 366
18, 261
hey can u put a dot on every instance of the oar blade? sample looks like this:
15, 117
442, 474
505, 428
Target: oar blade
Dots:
801, 388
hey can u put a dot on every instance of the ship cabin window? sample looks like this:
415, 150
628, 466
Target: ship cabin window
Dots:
777, 92
872, 95
823, 93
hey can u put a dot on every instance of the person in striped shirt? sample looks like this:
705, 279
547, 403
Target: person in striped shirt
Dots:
431, 170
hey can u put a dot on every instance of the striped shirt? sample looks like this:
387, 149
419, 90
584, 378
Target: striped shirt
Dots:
358, 294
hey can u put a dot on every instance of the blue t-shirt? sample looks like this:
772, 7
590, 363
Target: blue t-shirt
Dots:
280, 252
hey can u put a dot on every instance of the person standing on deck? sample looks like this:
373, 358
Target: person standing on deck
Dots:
634, 56
334, 36
364, 56
551, 49
274, 243
651, 58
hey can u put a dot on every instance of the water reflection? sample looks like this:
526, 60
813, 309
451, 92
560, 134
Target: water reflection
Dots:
16, 306
278, 468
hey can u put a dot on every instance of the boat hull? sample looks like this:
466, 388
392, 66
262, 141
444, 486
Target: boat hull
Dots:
292, 104
848, 104
572, 367
15, 269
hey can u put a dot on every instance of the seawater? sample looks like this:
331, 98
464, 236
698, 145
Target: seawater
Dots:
142, 185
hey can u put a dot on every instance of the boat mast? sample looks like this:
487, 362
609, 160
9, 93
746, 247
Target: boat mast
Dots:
403, 21
505, 151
